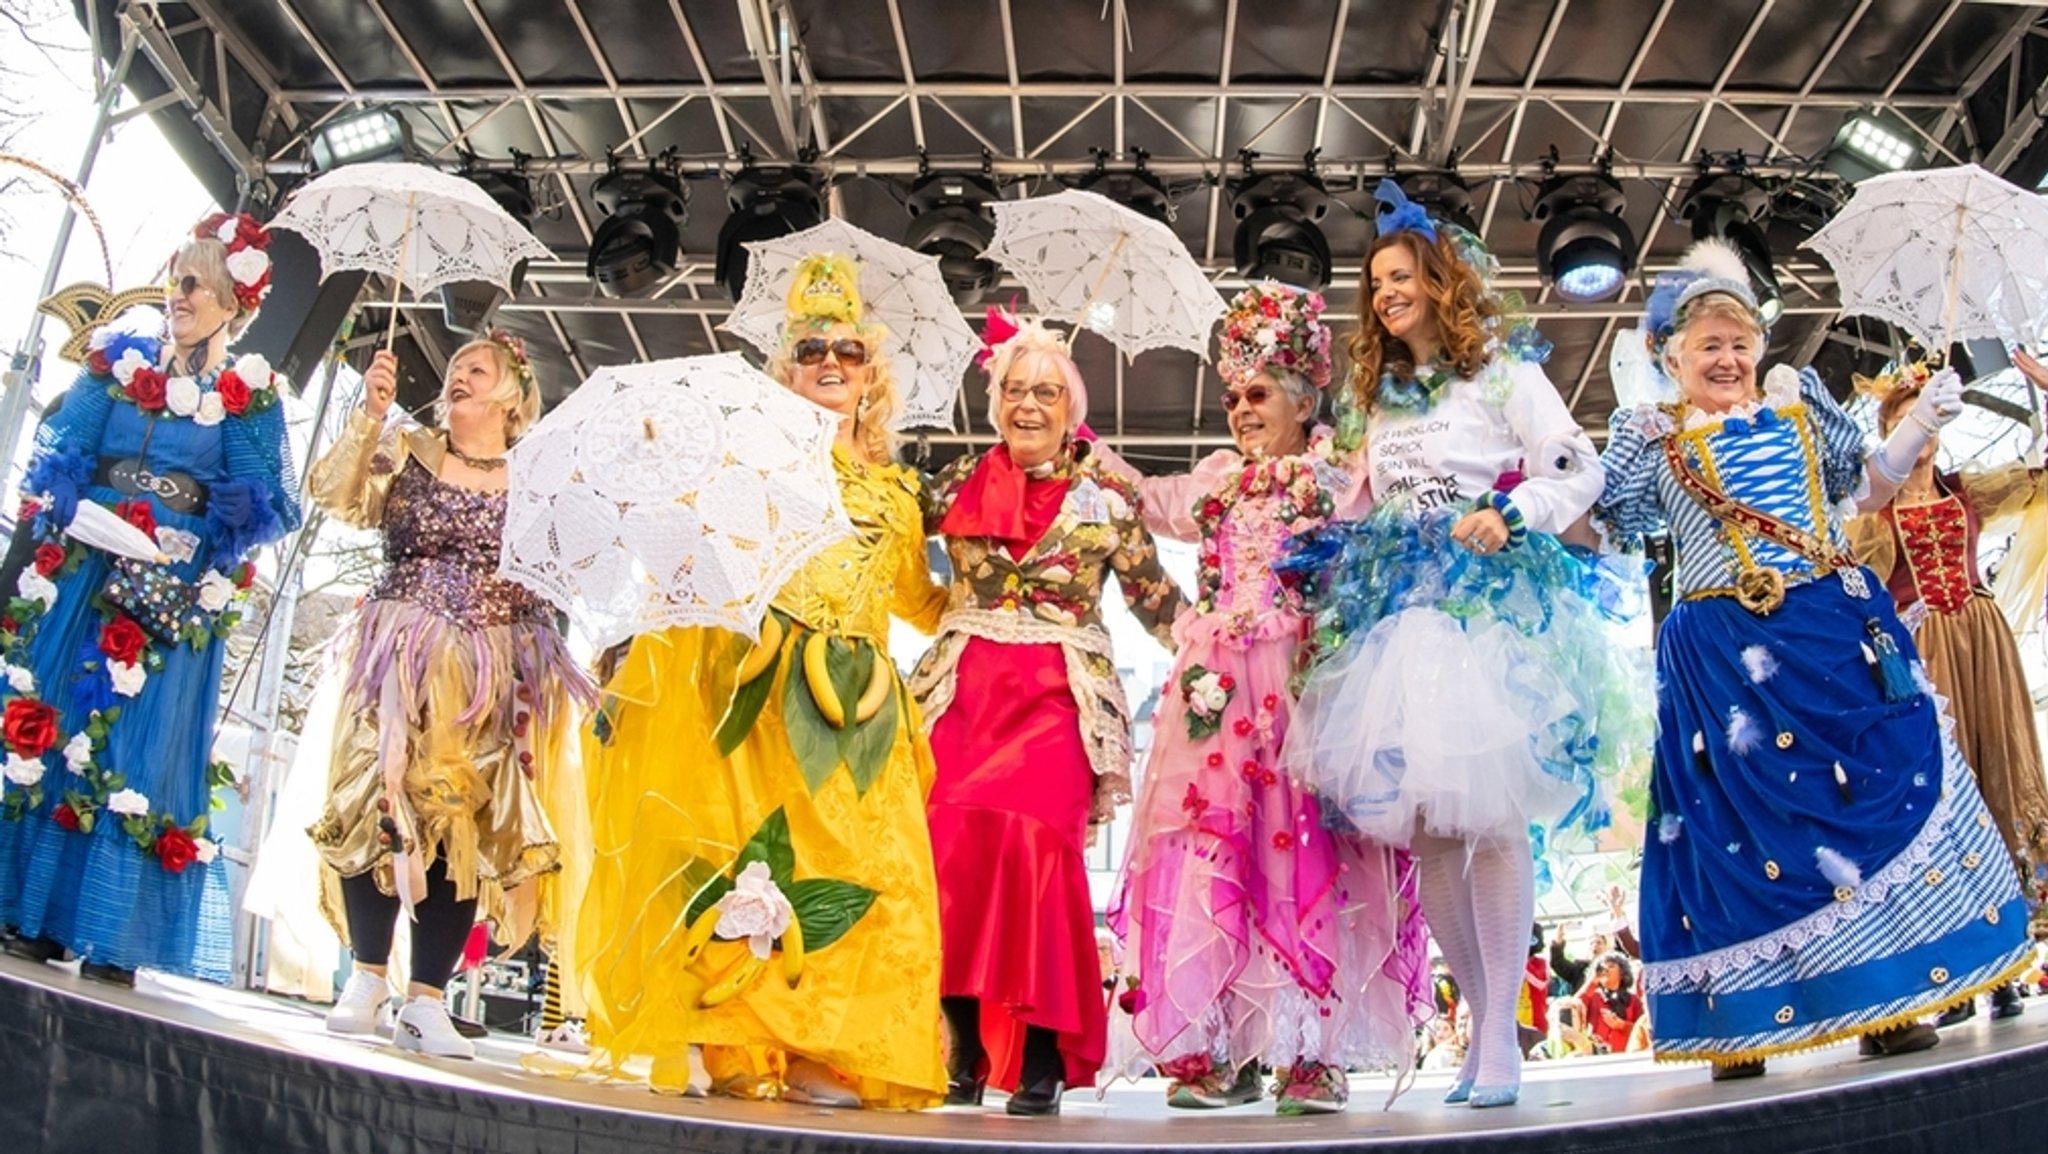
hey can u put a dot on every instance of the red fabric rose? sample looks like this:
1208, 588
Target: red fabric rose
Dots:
234, 392
64, 815
175, 850
146, 388
139, 514
245, 575
97, 364
122, 639
29, 727
49, 558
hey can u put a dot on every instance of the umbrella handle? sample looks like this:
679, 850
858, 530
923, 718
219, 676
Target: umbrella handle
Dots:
1955, 276
398, 273
1116, 253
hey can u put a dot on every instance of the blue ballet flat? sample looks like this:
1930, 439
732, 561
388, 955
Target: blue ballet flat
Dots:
1460, 1090
1485, 1096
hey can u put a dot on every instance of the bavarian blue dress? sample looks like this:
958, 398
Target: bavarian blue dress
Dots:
99, 892
1819, 863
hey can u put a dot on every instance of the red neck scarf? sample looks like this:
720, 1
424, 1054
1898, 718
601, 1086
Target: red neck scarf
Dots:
1001, 501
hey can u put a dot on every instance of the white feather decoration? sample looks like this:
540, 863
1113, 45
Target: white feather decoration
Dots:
1839, 871
1760, 663
1716, 258
1744, 734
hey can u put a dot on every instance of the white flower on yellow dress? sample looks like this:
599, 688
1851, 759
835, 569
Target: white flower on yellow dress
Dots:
754, 909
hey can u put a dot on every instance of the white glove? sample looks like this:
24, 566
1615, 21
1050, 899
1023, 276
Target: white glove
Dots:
1941, 399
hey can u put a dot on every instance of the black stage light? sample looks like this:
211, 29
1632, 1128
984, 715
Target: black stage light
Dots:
1134, 188
950, 220
766, 203
1278, 234
1443, 195
1585, 250
640, 240
1735, 207
468, 306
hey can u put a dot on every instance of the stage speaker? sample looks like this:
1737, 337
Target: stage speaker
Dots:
302, 314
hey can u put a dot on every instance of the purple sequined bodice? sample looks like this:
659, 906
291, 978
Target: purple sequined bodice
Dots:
441, 546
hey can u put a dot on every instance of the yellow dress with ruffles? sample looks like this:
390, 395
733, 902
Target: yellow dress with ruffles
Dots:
668, 815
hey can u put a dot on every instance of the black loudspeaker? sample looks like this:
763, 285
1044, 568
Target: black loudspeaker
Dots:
303, 313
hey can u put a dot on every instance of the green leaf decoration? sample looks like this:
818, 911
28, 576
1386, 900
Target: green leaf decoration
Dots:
826, 908
770, 844
849, 676
706, 883
811, 738
867, 754
745, 708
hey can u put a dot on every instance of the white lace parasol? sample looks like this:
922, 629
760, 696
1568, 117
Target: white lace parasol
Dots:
1089, 259
929, 343
417, 224
677, 492
1947, 254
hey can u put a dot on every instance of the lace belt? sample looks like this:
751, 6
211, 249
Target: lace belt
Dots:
179, 492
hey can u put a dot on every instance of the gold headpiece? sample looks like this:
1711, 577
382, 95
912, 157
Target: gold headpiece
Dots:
826, 289
1877, 388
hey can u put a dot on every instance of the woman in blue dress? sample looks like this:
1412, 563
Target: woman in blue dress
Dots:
113, 665
1820, 865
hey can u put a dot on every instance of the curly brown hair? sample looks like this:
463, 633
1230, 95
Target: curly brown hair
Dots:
1458, 302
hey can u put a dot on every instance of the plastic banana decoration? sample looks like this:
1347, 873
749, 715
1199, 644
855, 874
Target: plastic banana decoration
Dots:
736, 978
761, 658
793, 953
699, 934
877, 693
819, 677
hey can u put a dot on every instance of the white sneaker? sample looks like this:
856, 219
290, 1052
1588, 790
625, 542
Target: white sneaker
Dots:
567, 1038
364, 1006
424, 1028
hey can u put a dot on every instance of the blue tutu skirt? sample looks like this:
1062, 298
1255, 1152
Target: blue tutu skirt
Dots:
1819, 861
1475, 694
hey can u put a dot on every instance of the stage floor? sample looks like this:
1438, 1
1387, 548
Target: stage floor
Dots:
265, 1069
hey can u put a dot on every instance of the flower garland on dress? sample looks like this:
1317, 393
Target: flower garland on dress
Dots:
1305, 502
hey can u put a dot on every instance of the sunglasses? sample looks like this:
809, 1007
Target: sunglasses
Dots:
1253, 395
1046, 394
812, 351
185, 286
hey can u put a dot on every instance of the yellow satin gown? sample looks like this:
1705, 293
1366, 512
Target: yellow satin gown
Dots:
667, 813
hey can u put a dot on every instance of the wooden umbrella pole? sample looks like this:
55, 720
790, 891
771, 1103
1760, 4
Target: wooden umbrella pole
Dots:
1955, 277
398, 273
1116, 253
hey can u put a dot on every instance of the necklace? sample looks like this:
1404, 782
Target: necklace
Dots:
486, 464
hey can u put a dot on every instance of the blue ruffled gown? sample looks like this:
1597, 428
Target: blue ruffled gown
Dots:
98, 892
1820, 864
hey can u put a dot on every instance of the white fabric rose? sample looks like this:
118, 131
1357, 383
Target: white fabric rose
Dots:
226, 231
215, 591
24, 771
33, 586
181, 396
20, 680
128, 803
127, 678
212, 411
1216, 699
77, 752
1118, 507
124, 369
254, 370
755, 910
1267, 338
248, 265
208, 850
1207, 683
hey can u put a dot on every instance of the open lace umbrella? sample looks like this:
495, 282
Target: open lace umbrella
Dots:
677, 492
1087, 258
417, 225
1946, 254
929, 343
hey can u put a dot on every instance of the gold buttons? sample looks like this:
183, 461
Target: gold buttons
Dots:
1844, 893
1785, 740
1771, 870
1983, 819
1991, 914
1938, 975
1784, 1015
1971, 860
1934, 877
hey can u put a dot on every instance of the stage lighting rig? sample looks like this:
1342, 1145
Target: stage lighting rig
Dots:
1586, 249
1278, 225
468, 306
640, 239
373, 134
950, 219
766, 202
1735, 206
1871, 144
1442, 194
1134, 188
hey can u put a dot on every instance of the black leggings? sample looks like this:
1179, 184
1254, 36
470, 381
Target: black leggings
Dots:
439, 934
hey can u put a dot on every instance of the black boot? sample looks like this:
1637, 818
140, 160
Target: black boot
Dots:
1038, 1090
966, 1061
36, 949
2005, 1002
1960, 1012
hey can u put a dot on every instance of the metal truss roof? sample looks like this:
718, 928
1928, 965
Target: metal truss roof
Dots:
1493, 88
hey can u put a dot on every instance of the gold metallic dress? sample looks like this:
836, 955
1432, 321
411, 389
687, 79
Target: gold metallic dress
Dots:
778, 902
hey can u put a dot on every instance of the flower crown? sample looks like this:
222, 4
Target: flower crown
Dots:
1004, 326
515, 350
248, 259
1894, 377
1273, 325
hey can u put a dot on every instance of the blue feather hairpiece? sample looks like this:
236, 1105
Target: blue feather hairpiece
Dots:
1397, 212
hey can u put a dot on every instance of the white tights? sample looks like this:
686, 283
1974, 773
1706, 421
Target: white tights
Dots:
1479, 898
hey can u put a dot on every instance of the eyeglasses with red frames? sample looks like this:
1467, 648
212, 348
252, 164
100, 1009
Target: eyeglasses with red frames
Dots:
1253, 395
812, 351
1045, 393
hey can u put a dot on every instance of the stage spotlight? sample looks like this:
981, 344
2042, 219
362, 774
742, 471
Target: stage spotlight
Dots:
1870, 144
468, 306
950, 220
638, 243
1134, 187
374, 134
1734, 207
766, 203
1446, 198
1277, 231
1585, 250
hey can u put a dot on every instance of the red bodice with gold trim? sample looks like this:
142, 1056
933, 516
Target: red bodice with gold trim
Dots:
1937, 561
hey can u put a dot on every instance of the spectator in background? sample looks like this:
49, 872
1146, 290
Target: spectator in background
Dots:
1532, 1008
1609, 1008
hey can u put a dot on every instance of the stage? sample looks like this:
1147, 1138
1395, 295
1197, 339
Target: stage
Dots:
182, 1066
